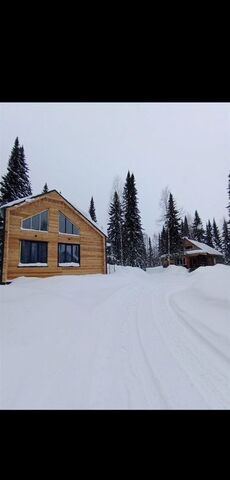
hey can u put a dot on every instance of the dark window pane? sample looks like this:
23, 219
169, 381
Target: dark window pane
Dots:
25, 251
61, 253
69, 226
44, 220
75, 257
61, 223
34, 252
35, 222
26, 223
68, 253
42, 257
76, 230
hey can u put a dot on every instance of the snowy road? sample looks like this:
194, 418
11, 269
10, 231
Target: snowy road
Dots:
129, 340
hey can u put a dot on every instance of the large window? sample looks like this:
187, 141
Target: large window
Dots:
68, 255
65, 226
37, 222
33, 253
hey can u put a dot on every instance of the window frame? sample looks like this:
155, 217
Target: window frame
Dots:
34, 229
32, 264
73, 225
62, 264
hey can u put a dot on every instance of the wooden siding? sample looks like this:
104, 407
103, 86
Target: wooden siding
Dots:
91, 241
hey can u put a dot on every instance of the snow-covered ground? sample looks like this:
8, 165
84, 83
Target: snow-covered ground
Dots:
130, 340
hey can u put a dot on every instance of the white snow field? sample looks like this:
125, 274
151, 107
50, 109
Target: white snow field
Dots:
129, 340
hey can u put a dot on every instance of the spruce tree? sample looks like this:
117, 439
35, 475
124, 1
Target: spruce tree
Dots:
25, 186
9, 185
92, 210
226, 243
163, 242
185, 232
216, 237
115, 227
134, 250
45, 188
15, 184
197, 229
228, 207
172, 226
209, 235
150, 259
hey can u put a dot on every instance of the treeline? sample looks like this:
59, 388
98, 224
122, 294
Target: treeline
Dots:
127, 243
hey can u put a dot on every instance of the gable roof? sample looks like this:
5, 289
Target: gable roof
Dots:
201, 247
32, 198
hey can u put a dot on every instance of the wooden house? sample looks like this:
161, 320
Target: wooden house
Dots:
45, 235
193, 255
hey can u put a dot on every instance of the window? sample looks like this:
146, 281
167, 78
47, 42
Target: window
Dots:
33, 253
37, 222
68, 255
65, 226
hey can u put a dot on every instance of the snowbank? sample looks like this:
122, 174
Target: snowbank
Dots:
131, 340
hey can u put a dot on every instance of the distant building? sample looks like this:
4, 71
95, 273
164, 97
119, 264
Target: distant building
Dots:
45, 235
194, 254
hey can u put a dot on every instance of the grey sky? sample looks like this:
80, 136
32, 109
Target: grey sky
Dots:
78, 148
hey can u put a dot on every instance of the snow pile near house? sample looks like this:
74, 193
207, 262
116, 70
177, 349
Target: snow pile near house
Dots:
132, 340
213, 282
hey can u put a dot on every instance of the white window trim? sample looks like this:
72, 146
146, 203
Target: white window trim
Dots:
69, 265
32, 264
31, 216
69, 234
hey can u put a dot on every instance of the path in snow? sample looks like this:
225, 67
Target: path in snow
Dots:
130, 340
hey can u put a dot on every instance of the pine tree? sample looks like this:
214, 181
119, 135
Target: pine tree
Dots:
197, 229
185, 232
172, 226
45, 188
25, 186
216, 237
134, 250
9, 185
226, 243
163, 244
208, 235
150, 259
15, 184
115, 227
228, 207
92, 210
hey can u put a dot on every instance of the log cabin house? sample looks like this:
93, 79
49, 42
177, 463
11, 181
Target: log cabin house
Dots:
45, 235
194, 254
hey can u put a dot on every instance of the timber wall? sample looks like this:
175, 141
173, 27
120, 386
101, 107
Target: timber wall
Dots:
92, 242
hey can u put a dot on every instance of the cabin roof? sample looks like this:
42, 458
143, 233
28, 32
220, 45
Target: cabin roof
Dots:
201, 247
32, 198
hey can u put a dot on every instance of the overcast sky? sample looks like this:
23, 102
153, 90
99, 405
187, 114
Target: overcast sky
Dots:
79, 148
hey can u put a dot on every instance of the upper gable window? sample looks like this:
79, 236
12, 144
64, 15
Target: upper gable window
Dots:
37, 222
65, 226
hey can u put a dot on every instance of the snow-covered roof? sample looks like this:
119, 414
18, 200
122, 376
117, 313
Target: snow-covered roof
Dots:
32, 198
19, 200
201, 246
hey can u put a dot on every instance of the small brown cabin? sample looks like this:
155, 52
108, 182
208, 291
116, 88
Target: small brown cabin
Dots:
45, 235
194, 254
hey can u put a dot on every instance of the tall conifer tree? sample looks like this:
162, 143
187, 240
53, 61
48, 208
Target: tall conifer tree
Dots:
92, 211
209, 234
216, 237
45, 188
15, 184
134, 250
197, 229
172, 226
226, 242
115, 227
